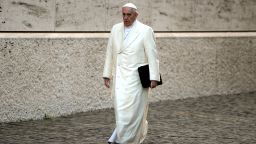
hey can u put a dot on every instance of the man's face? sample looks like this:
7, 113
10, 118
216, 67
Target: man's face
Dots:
129, 16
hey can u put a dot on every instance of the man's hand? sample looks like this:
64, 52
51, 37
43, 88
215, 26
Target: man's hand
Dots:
153, 84
107, 82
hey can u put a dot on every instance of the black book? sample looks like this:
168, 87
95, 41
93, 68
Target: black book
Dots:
145, 77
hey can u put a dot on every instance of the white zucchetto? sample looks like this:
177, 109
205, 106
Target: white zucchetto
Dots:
131, 5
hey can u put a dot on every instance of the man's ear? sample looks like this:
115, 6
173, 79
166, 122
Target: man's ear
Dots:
136, 13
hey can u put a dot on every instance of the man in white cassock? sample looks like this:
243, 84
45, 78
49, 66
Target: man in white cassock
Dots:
131, 44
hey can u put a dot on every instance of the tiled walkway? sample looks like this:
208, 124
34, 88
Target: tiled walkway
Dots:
226, 119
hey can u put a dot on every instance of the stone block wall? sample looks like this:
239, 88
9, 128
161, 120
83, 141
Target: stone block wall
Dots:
100, 15
50, 77
54, 73
47, 77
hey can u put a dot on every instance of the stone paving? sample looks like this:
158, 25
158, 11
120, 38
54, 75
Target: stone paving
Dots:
224, 119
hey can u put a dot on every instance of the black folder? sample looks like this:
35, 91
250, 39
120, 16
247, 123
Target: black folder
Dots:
145, 77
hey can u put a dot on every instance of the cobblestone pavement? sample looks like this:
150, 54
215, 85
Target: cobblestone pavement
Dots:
226, 119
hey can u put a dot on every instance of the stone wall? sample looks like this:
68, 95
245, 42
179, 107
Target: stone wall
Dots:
54, 74
100, 15
49, 75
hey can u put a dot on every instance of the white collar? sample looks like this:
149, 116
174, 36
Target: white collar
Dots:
131, 26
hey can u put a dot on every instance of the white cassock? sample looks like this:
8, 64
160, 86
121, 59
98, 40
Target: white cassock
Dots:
127, 50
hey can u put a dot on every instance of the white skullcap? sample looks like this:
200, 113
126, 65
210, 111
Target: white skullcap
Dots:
131, 5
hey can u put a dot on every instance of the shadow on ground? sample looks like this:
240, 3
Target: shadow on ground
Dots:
224, 119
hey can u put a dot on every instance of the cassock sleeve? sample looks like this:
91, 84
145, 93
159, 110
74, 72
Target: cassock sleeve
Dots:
107, 72
151, 53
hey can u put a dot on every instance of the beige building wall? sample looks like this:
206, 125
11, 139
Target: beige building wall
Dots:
48, 75
53, 74
100, 15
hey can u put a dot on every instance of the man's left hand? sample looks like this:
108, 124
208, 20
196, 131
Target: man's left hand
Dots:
153, 84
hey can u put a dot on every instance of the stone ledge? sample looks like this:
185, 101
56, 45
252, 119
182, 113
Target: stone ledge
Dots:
106, 35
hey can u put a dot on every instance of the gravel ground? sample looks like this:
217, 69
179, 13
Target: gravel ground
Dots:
224, 119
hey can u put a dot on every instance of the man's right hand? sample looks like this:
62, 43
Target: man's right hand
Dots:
107, 82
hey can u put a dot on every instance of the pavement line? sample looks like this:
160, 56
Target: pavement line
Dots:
216, 117
202, 137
